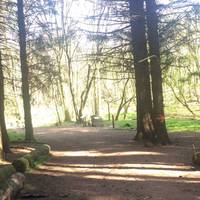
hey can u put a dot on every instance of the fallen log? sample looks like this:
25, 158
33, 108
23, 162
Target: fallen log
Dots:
14, 184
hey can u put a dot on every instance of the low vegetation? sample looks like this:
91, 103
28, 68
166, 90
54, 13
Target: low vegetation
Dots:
174, 124
16, 136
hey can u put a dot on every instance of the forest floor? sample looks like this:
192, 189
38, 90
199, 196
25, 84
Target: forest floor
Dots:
107, 164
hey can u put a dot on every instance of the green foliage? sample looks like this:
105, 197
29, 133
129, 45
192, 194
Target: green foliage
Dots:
35, 159
41, 160
15, 136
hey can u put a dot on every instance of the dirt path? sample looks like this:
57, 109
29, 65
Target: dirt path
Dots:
103, 164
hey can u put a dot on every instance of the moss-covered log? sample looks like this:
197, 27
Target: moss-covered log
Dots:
27, 161
12, 186
21, 164
6, 172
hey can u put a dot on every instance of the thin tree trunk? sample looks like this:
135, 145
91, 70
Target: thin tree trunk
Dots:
156, 74
25, 72
62, 95
122, 101
98, 84
142, 74
57, 112
5, 139
109, 114
126, 107
96, 110
183, 102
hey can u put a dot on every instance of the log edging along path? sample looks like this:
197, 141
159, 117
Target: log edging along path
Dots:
12, 176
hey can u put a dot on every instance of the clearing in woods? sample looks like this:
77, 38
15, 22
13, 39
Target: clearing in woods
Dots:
106, 164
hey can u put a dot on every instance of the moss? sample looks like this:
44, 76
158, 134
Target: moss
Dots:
6, 172
43, 149
21, 164
41, 160
31, 159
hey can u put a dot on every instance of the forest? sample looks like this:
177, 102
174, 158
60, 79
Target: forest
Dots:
99, 95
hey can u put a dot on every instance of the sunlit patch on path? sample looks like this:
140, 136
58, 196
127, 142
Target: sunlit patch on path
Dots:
97, 154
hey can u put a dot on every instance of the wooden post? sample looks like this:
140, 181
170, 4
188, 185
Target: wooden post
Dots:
113, 121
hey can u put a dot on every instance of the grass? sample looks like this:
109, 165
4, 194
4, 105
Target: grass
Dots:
173, 124
124, 124
128, 123
15, 136
183, 125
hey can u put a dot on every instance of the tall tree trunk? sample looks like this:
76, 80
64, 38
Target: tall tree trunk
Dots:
5, 139
85, 93
142, 74
156, 74
75, 106
25, 72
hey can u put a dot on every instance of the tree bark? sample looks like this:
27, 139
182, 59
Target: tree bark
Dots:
156, 73
24, 71
2, 157
142, 74
5, 139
